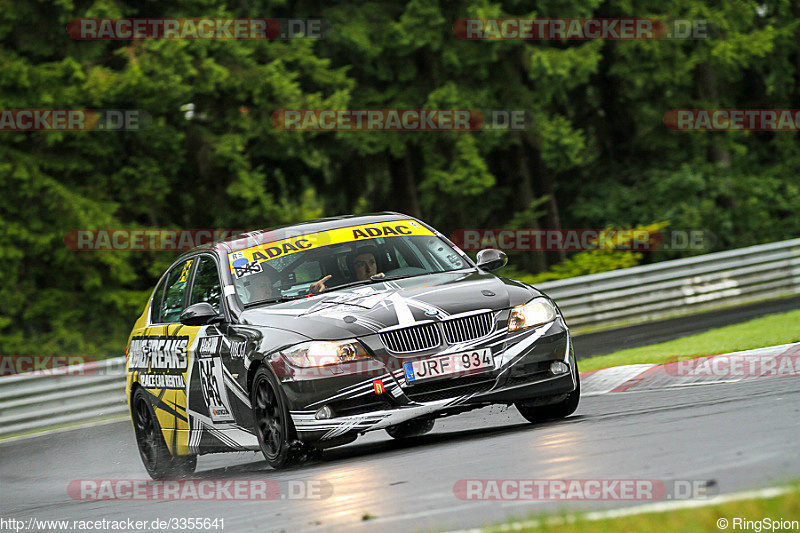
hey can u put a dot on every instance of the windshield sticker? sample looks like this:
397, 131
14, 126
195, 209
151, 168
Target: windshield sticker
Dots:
246, 262
242, 268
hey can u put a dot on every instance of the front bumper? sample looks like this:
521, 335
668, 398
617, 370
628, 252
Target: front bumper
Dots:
376, 395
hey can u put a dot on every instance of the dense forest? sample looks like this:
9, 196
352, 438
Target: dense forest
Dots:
597, 153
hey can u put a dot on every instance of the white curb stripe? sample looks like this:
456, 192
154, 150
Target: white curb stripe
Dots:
608, 379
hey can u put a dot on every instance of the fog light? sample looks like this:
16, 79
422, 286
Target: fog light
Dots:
324, 413
559, 367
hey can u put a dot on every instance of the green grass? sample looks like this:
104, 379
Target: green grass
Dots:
784, 507
770, 330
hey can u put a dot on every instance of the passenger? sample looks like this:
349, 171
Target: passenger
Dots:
259, 286
319, 286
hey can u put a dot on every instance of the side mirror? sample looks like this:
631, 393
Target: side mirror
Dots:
199, 314
491, 259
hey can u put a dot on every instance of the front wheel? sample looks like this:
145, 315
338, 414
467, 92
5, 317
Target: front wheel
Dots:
555, 411
155, 455
273, 426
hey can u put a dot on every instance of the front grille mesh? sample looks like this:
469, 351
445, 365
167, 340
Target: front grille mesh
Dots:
412, 339
467, 328
427, 336
440, 390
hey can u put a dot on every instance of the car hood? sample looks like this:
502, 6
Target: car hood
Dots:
366, 309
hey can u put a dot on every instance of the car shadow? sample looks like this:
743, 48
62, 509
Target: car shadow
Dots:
355, 450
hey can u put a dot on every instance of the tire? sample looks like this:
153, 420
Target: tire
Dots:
273, 425
157, 460
411, 428
556, 411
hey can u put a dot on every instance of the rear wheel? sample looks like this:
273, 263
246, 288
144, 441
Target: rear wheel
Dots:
155, 455
273, 426
412, 428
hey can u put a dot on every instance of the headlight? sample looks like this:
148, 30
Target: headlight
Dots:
323, 353
534, 313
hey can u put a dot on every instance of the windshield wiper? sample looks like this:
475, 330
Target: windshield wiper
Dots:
274, 300
352, 284
392, 278
373, 279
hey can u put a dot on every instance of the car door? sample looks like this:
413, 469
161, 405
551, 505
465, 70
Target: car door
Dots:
219, 406
159, 356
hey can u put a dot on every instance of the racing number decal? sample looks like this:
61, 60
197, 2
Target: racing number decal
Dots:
242, 268
213, 387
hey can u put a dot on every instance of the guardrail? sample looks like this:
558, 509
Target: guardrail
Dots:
646, 292
93, 391
61, 397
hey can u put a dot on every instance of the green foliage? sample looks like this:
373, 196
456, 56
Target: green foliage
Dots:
610, 255
598, 154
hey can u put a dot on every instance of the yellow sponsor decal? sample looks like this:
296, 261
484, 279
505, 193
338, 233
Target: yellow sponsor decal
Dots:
158, 359
185, 271
245, 261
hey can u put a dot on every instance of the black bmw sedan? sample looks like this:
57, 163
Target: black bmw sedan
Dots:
300, 338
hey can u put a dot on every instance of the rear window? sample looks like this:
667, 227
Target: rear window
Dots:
158, 298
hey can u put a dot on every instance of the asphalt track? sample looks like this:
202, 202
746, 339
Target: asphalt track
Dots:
740, 435
603, 342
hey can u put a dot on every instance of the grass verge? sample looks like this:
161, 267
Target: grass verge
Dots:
785, 507
769, 330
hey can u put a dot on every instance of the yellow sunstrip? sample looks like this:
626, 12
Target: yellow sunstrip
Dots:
247, 261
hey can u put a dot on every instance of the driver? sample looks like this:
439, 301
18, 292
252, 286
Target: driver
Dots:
363, 263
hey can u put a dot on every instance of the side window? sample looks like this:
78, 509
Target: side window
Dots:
206, 287
158, 299
173, 297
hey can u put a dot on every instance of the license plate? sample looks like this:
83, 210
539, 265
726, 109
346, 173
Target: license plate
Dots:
448, 365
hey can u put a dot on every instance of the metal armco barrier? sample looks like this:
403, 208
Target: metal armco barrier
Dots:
62, 397
94, 391
642, 293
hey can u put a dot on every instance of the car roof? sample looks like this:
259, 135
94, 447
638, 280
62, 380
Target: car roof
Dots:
253, 238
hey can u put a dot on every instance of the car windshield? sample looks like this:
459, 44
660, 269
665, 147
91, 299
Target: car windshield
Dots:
288, 268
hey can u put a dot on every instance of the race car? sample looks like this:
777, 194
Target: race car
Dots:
300, 338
